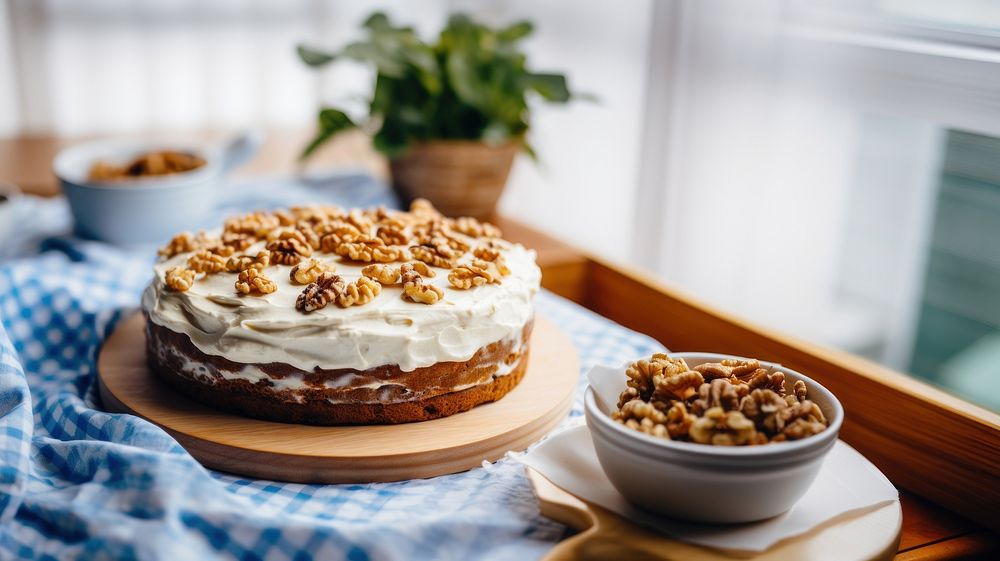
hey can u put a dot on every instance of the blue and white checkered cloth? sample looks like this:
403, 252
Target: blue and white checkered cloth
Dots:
79, 483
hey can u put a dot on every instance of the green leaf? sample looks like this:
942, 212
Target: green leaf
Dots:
552, 87
382, 98
376, 54
334, 120
529, 150
426, 66
320, 139
390, 139
411, 116
515, 32
496, 133
331, 122
463, 77
459, 22
312, 57
377, 21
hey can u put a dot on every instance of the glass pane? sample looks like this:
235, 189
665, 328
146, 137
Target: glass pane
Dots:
957, 341
976, 14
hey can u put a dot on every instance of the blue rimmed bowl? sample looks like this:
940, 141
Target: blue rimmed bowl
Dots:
149, 209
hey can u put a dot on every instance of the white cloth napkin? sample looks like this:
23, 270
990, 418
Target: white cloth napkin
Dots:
847, 483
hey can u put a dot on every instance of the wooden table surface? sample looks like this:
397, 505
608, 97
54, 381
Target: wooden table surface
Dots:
929, 531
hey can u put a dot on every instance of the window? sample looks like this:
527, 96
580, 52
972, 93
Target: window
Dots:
802, 170
957, 339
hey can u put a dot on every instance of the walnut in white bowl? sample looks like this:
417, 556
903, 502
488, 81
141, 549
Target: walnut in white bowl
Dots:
733, 402
709, 437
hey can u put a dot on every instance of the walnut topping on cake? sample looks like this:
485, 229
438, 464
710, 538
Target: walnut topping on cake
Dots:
204, 261
398, 249
316, 214
488, 267
310, 235
332, 234
285, 233
237, 241
330, 287
289, 250
392, 235
181, 243
436, 253
476, 273
256, 224
186, 243
415, 289
387, 274
320, 293
251, 281
368, 249
472, 227
239, 263
179, 278
359, 292
360, 220
423, 210
492, 255
421, 268
306, 272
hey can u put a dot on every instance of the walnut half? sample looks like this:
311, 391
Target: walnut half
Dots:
388, 274
306, 272
288, 251
238, 263
642, 416
179, 278
436, 253
723, 428
385, 274
640, 376
414, 288
476, 273
181, 243
204, 261
320, 293
252, 281
358, 293
368, 249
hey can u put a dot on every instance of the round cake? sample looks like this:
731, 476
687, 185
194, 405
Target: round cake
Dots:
324, 316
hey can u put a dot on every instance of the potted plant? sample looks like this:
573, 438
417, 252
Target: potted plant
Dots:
449, 115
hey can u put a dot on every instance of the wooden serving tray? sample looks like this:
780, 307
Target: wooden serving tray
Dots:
309, 454
872, 535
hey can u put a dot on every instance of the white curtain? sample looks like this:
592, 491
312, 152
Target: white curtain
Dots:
105, 66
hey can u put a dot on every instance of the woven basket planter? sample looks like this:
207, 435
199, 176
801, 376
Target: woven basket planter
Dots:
461, 178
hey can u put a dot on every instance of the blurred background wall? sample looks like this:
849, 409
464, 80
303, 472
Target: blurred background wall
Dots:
825, 167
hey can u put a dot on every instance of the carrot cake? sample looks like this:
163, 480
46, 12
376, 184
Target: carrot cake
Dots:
324, 316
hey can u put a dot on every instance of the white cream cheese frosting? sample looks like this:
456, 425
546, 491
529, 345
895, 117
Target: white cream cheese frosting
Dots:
386, 331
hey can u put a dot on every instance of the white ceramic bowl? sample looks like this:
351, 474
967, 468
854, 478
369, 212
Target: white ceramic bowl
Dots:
149, 209
706, 483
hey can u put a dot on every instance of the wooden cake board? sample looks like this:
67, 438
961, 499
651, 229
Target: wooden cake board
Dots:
872, 535
355, 454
